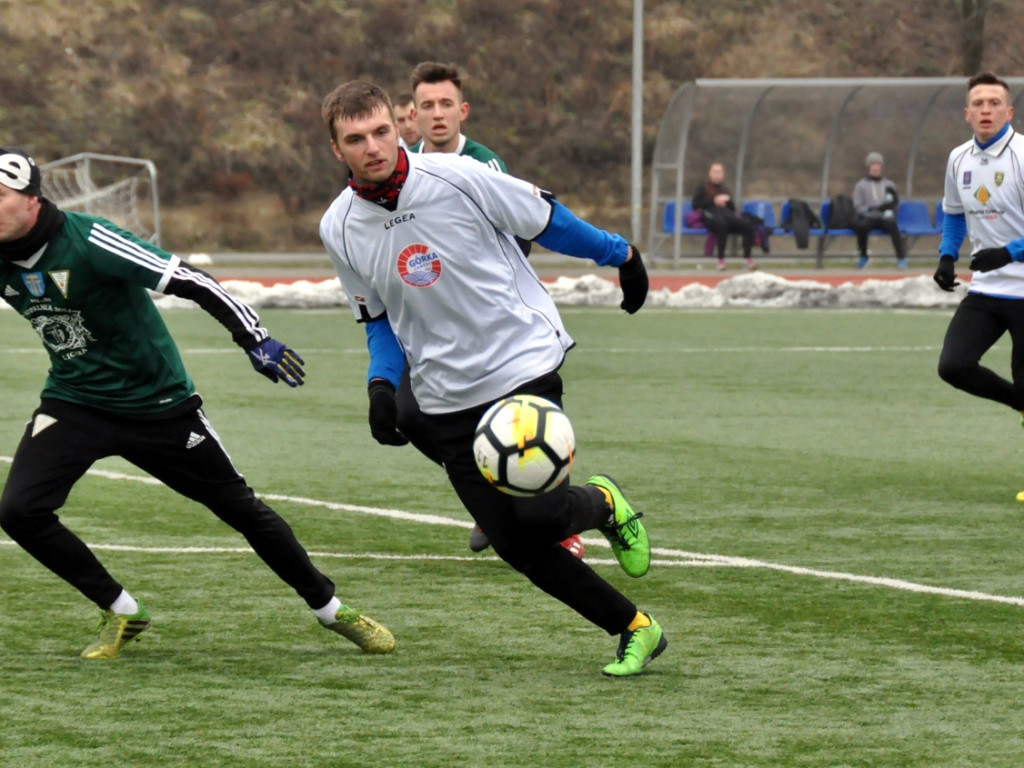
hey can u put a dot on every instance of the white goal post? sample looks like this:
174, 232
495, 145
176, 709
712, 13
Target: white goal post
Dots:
121, 189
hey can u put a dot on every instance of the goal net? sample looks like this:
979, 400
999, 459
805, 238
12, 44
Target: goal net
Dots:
121, 189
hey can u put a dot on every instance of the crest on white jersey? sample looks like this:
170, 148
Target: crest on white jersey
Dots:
419, 265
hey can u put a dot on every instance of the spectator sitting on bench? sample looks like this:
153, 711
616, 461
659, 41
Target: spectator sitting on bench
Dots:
718, 212
875, 199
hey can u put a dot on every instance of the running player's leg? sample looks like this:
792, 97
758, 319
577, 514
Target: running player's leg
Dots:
975, 327
60, 443
411, 421
526, 533
532, 544
1013, 313
186, 454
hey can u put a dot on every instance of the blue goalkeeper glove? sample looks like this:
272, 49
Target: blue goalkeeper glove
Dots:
276, 361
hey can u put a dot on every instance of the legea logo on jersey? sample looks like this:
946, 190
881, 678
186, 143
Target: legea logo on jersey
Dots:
419, 266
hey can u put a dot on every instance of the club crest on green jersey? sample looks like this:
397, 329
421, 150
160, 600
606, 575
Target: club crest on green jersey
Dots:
64, 333
34, 282
60, 279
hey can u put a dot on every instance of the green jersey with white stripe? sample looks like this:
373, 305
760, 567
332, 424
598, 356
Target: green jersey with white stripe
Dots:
472, 149
86, 294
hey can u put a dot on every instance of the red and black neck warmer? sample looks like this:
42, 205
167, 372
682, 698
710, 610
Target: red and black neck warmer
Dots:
386, 193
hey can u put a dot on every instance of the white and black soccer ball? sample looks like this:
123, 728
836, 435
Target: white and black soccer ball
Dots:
524, 445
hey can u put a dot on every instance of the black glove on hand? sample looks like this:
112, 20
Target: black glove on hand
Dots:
892, 200
988, 259
384, 414
945, 275
633, 281
276, 361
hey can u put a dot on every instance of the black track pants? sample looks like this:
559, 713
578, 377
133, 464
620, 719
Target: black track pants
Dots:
183, 452
977, 324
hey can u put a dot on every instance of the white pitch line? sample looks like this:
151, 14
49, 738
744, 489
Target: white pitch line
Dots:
601, 351
674, 557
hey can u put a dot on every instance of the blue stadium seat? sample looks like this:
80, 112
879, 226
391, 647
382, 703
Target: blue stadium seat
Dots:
914, 219
764, 210
938, 216
668, 220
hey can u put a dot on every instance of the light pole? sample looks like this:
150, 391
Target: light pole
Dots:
636, 153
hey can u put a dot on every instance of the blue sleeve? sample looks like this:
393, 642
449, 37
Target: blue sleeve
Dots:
574, 237
954, 230
1016, 249
387, 361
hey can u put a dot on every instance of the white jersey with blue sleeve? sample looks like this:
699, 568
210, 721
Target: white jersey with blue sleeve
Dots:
987, 187
471, 315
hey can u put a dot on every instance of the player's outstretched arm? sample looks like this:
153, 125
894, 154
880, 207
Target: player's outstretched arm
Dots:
565, 233
268, 356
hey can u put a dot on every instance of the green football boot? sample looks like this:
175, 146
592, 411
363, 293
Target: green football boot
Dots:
114, 631
362, 630
636, 650
626, 534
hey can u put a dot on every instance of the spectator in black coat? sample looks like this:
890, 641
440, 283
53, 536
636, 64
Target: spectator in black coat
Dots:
718, 211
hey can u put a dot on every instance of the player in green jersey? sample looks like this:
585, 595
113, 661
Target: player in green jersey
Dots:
441, 111
117, 387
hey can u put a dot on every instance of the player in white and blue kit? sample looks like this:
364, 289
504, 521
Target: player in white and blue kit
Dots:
424, 247
984, 201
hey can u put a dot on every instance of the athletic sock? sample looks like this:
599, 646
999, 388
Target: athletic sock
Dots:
125, 604
329, 613
640, 620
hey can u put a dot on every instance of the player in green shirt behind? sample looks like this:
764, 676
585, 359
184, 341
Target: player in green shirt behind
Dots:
440, 112
117, 387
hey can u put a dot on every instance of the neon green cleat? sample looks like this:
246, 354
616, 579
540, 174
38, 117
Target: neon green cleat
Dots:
114, 631
637, 649
627, 534
362, 630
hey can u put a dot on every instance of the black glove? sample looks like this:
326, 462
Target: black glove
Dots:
891, 199
276, 361
384, 413
988, 259
945, 275
633, 281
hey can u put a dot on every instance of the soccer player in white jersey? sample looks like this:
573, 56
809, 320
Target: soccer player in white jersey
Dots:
423, 245
984, 201
117, 387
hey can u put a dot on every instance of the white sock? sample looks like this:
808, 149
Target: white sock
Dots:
126, 605
329, 613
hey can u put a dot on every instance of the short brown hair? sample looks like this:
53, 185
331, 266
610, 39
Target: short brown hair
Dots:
435, 72
403, 98
987, 78
356, 98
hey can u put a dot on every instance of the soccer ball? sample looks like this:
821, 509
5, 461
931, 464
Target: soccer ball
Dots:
524, 445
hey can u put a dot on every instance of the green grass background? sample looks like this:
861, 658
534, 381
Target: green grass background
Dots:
815, 439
